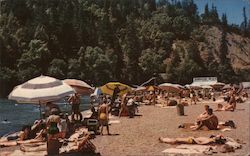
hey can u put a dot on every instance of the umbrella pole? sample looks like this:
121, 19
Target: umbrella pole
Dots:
40, 109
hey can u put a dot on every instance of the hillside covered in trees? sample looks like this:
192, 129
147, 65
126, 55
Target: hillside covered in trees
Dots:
119, 40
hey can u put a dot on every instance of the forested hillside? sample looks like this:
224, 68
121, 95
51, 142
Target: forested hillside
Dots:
119, 40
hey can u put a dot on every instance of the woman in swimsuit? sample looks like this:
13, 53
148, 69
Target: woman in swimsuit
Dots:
103, 116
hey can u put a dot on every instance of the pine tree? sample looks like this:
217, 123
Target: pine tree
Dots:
206, 11
224, 20
244, 23
223, 48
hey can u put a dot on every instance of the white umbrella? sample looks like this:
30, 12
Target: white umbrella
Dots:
41, 90
140, 88
206, 87
171, 87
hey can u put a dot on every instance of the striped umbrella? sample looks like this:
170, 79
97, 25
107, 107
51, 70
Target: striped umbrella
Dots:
40, 90
80, 87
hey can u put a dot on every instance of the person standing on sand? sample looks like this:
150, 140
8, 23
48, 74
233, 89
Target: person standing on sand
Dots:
193, 96
232, 102
103, 116
53, 122
75, 101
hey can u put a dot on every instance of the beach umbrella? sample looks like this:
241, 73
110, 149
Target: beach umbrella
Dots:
152, 88
140, 88
97, 92
171, 87
41, 89
206, 87
229, 86
110, 87
218, 85
246, 85
194, 87
80, 87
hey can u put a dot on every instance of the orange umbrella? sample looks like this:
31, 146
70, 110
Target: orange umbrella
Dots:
80, 87
152, 88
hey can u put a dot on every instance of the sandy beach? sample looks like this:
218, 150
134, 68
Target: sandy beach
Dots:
139, 136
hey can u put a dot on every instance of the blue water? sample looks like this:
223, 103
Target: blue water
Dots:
13, 116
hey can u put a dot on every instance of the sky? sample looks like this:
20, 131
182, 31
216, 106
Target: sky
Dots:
232, 8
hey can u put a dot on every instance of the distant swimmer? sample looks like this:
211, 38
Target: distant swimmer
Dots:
5, 121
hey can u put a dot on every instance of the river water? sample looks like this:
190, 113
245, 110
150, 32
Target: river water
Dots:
13, 115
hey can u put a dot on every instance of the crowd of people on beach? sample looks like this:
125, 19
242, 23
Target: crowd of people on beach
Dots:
207, 120
55, 125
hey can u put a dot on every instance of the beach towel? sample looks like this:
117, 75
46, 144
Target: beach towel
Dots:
189, 126
21, 153
189, 149
162, 106
114, 121
233, 143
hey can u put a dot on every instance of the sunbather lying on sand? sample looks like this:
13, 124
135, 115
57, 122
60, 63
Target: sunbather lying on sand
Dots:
227, 107
231, 106
7, 143
192, 140
33, 147
82, 145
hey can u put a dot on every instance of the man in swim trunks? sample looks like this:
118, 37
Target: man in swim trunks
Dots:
75, 101
211, 121
103, 116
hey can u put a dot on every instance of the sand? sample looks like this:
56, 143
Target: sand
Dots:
139, 136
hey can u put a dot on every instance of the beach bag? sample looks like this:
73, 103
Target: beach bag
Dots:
230, 123
172, 103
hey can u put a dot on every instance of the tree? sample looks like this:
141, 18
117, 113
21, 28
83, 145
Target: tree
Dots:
205, 15
224, 20
97, 66
182, 27
132, 51
223, 48
214, 15
58, 68
150, 62
225, 70
187, 70
32, 62
74, 69
206, 11
244, 23
172, 65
